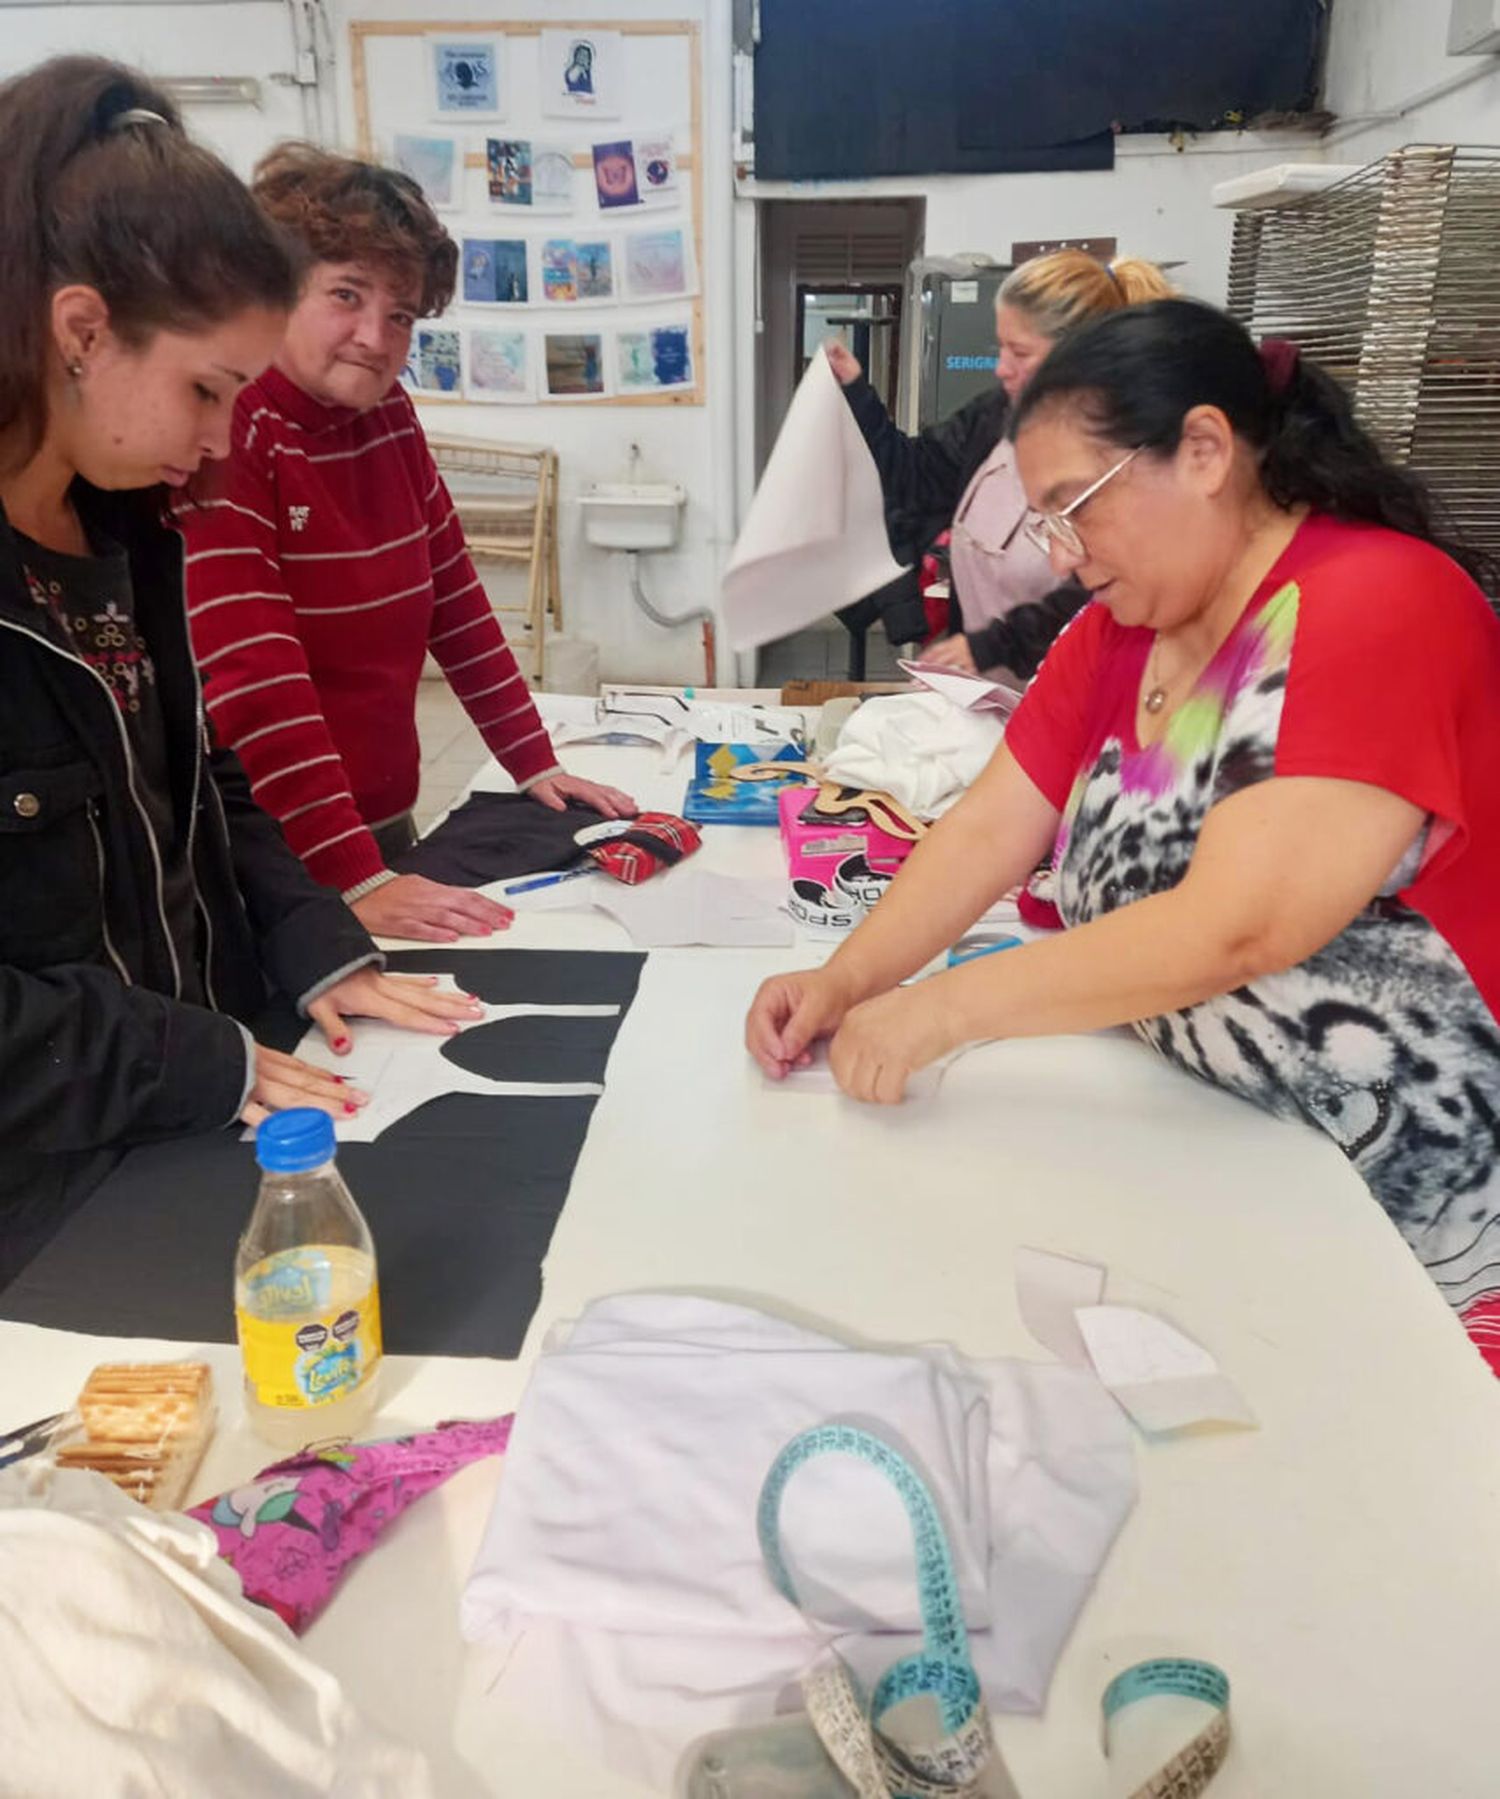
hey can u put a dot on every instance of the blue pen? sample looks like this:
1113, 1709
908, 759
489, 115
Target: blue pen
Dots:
567, 874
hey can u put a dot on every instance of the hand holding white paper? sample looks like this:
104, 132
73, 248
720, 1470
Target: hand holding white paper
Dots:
815, 536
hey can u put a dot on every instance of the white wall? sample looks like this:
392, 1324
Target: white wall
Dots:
1386, 58
191, 37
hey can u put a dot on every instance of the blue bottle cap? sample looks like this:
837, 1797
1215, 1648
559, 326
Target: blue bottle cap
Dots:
293, 1141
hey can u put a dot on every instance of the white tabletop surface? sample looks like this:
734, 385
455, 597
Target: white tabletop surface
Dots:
1341, 1563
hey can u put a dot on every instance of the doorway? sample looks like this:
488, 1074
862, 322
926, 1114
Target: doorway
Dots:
829, 268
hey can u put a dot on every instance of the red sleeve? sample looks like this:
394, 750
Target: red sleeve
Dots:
1048, 733
1393, 670
470, 647
256, 683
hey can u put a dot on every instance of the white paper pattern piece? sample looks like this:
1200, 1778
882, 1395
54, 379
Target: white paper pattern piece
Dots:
1164, 1380
580, 74
691, 906
401, 1070
1049, 1290
970, 693
815, 535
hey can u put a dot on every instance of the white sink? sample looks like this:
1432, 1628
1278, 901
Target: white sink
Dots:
633, 515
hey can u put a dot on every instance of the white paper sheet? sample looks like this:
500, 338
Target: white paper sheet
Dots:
971, 693
1049, 1290
1164, 1380
401, 1070
690, 905
815, 536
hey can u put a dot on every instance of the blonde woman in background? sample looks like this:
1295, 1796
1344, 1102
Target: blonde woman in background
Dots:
962, 471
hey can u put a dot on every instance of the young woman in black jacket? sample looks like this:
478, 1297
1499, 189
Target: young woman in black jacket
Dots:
148, 908
960, 473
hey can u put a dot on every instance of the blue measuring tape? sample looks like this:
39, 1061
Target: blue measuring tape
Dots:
941, 1670
850, 1729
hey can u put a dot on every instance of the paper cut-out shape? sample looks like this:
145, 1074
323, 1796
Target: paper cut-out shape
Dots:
401, 1070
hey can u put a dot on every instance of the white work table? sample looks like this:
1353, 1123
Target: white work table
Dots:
1341, 1563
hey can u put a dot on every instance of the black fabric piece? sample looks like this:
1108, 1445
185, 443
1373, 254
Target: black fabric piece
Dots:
972, 86
461, 1196
494, 836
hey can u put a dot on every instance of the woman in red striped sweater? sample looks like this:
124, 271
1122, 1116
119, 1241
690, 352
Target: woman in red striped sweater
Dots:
329, 560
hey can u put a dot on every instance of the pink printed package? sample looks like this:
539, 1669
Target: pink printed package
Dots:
846, 854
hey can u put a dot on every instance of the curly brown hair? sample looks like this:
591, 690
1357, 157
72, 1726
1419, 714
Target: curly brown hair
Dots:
343, 209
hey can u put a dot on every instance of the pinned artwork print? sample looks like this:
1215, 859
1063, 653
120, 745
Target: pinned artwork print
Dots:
494, 272
434, 363
658, 264
575, 365
615, 181
528, 176
466, 77
436, 166
654, 360
580, 74
577, 269
499, 366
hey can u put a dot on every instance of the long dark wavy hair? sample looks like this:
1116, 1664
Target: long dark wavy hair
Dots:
1133, 376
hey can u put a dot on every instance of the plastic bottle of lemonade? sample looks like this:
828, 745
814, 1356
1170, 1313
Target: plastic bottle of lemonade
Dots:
307, 1303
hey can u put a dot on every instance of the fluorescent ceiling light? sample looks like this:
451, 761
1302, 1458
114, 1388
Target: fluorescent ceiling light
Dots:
212, 90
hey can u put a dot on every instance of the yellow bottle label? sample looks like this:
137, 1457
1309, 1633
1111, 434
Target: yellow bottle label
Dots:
309, 1326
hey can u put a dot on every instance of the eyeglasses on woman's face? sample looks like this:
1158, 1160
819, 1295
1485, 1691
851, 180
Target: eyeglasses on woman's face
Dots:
1049, 528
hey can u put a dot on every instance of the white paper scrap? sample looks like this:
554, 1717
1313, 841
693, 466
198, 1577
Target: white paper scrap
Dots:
970, 693
1164, 1380
402, 1069
693, 906
1049, 1290
815, 536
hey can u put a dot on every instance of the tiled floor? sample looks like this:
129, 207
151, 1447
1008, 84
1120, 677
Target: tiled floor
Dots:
821, 653
451, 750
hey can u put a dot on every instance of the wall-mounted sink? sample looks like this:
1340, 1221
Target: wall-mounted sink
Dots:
633, 515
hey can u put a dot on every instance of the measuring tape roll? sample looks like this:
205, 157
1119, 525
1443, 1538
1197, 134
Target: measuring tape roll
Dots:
850, 1731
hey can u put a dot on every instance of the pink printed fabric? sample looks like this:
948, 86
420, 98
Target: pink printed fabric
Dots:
292, 1533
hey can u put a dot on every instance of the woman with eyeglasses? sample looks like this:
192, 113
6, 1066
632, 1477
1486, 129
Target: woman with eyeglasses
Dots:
332, 559
960, 474
1269, 755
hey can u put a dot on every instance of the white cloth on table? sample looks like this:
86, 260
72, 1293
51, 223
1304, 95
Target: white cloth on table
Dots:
918, 747
620, 1570
134, 1665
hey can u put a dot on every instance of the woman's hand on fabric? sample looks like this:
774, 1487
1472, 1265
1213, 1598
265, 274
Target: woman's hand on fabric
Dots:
844, 363
412, 1001
791, 1012
428, 912
953, 652
554, 792
884, 1041
281, 1080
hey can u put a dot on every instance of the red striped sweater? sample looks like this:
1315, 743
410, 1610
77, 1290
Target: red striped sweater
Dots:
326, 560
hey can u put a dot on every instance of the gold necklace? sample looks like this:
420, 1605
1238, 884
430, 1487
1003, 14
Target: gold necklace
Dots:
1156, 694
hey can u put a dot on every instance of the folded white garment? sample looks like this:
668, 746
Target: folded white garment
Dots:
918, 747
134, 1665
621, 1567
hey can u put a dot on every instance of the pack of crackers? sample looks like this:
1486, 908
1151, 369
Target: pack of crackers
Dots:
146, 1425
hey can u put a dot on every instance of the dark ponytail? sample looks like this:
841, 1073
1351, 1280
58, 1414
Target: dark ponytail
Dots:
1134, 376
101, 185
